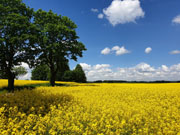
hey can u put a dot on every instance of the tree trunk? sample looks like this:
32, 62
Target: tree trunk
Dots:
11, 77
52, 78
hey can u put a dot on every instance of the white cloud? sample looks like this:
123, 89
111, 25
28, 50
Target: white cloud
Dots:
120, 50
148, 50
28, 75
176, 19
123, 11
143, 67
140, 72
101, 66
106, 51
85, 66
164, 68
117, 49
100, 16
94, 10
175, 52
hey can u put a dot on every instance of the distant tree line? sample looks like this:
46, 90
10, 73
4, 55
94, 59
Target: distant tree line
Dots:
124, 81
36, 38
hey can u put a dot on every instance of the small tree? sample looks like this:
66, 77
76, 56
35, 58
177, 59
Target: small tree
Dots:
17, 37
80, 75
58, 41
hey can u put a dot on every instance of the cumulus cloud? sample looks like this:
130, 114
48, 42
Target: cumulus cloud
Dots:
123, 11
164, 68
176, 19
100, 16
117, 49
148, 50
94, 10
140, 72
85, 66
120, 50
101, 66
175, 52
106, 51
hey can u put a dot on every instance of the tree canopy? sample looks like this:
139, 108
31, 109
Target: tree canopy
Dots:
35, 38
58, 41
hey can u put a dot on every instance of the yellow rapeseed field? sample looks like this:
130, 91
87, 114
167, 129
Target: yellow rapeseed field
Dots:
90, 109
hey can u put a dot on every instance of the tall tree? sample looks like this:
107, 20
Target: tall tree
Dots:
58, 41
79, 74
17, 37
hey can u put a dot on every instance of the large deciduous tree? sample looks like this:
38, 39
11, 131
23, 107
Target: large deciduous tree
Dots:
17, 37
58, 41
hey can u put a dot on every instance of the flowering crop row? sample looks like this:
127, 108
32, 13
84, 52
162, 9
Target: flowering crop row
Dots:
92, 109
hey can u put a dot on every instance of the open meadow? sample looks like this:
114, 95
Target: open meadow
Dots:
74, 108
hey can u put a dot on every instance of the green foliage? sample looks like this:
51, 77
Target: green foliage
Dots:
80, 75
57, 41
64, 66
17, 37
69, 76
76, 75
40, 72
3, 75
35, 38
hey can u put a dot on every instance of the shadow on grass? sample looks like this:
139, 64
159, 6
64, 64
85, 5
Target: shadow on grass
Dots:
33, 101
31, 86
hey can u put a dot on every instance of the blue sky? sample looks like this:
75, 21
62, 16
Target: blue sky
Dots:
131, 26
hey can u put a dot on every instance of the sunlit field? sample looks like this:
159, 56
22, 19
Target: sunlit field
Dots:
91, 109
